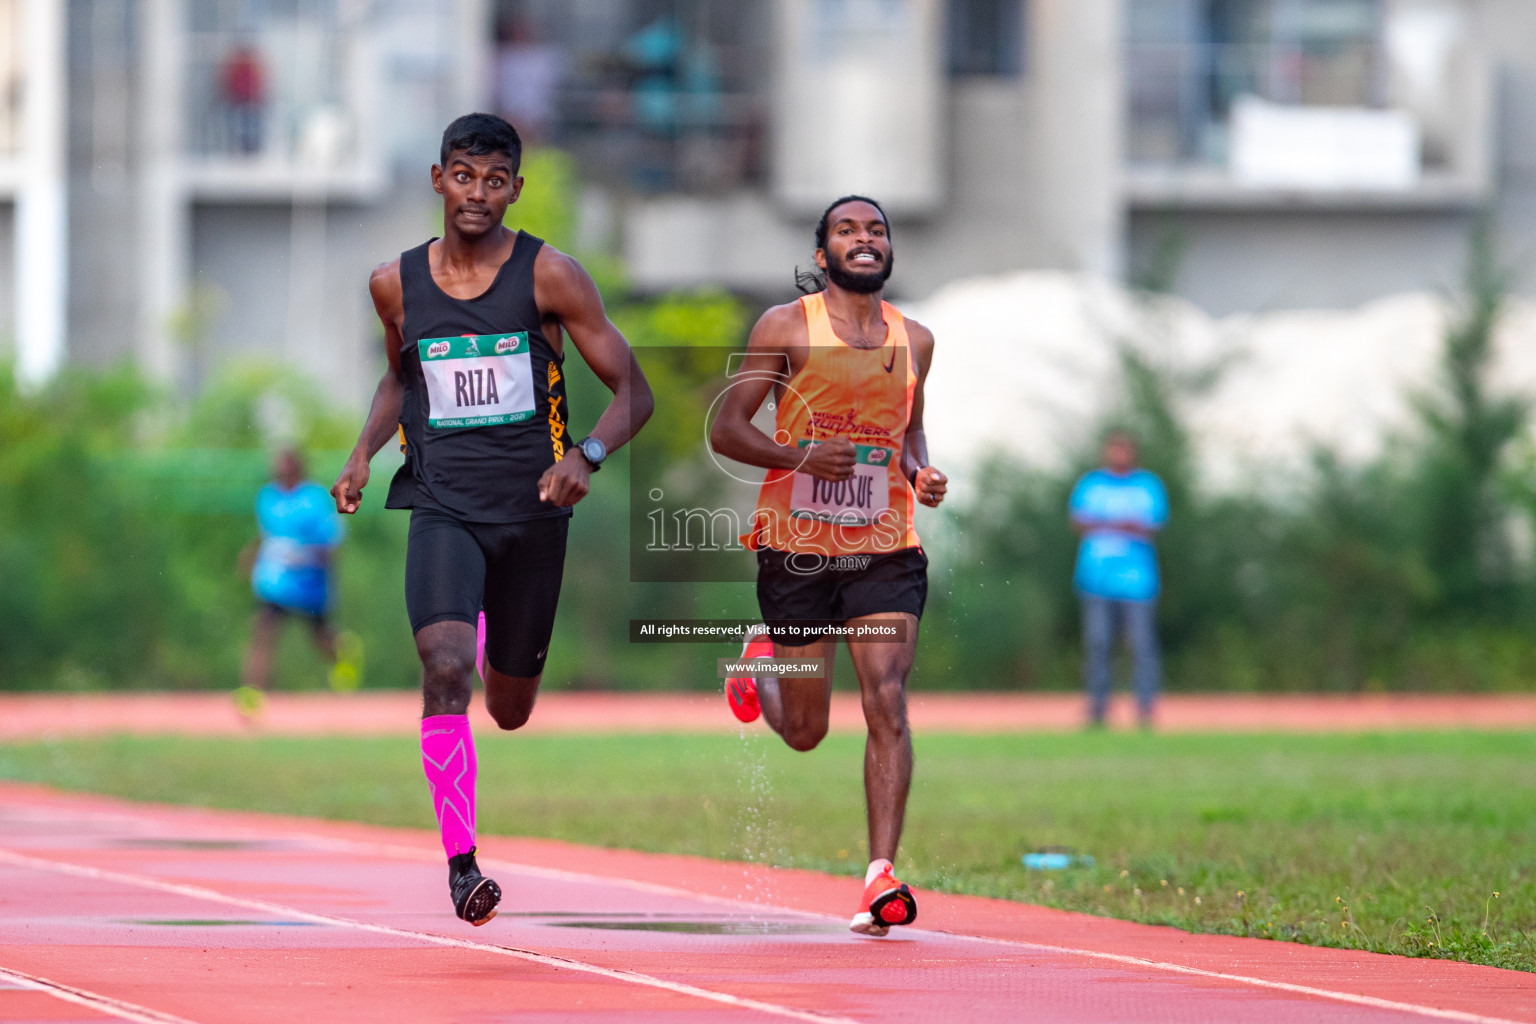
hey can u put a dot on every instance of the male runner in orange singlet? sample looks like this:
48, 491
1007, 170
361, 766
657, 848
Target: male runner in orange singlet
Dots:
833, 529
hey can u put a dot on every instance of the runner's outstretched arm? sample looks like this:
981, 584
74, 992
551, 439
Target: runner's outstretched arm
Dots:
384, 412
929, 483
565, 291
771, 349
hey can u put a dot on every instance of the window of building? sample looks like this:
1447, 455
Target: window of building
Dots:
267, 79
986, 37
1310, 52
1189, 61
650, 95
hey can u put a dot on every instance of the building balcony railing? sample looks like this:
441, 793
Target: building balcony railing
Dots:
281, 110
1245, 125
663, 141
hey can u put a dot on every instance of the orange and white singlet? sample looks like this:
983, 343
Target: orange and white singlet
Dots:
864, 395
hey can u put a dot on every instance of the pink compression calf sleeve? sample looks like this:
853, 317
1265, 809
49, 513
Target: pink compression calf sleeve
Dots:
448, 758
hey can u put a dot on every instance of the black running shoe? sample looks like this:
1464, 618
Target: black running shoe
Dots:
474, 896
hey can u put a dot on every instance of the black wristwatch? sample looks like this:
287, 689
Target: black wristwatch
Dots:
593, 450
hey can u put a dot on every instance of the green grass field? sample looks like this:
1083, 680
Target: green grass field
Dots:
1422, 844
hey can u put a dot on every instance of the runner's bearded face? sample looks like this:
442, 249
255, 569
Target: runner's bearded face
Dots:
858, 256
476, 191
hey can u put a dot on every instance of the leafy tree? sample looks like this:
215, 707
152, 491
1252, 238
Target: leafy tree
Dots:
1469, 432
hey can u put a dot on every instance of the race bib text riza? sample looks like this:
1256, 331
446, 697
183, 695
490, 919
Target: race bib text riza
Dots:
852, 502
479, 380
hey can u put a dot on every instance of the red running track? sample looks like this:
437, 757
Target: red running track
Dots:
116, 911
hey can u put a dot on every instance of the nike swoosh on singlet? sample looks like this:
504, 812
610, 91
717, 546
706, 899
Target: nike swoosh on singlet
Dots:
892, 364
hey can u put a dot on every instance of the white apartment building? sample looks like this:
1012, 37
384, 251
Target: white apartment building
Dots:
1293, 152
184, 181
189, 180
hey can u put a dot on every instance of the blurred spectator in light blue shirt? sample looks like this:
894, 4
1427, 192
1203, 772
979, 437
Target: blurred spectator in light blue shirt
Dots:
1118, 509
291, 575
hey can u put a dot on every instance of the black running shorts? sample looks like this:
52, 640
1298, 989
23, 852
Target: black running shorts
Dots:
813, 589
316, 619
512, 570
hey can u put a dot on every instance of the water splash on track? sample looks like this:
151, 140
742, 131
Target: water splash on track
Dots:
754, 824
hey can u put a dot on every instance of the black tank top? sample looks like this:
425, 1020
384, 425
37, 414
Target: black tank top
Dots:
484, 409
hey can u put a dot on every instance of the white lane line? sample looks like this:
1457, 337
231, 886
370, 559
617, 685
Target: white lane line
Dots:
214, 896
1283, 986
411, 853
80, 997
406, 852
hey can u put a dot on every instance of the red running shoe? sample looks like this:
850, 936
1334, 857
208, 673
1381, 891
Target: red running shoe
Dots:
741, 691
887, 902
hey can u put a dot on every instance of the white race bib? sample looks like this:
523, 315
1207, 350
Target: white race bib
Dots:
479, 380
852, 502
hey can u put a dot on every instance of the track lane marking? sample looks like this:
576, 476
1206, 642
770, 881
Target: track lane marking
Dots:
95, 1001
1375, 1002
411, 853
544, 959
1345, 997
403, 852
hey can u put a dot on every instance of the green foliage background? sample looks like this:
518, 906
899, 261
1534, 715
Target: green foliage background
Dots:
1402, 574
124, 510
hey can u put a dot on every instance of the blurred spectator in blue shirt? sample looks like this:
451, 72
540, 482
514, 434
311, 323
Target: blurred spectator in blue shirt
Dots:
1118, 509
291, 575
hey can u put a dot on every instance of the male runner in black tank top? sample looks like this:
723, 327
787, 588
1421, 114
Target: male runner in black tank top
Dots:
473, 328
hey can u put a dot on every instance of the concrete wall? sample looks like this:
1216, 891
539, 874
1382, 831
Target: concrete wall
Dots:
1035, 160
858, 101
7, 279
290, 284
1236, 261
1508, 29
103, 275
100, 127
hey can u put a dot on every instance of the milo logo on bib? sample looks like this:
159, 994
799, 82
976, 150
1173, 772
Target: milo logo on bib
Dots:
479, 380
852, 502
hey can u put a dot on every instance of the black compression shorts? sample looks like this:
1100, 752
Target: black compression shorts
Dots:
453, 569
811, 589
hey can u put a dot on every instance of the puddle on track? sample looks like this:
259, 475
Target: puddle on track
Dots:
157, 843
219, 923
715, 926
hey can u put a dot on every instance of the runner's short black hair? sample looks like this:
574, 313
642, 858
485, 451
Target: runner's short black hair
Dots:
481, 135
811, 281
